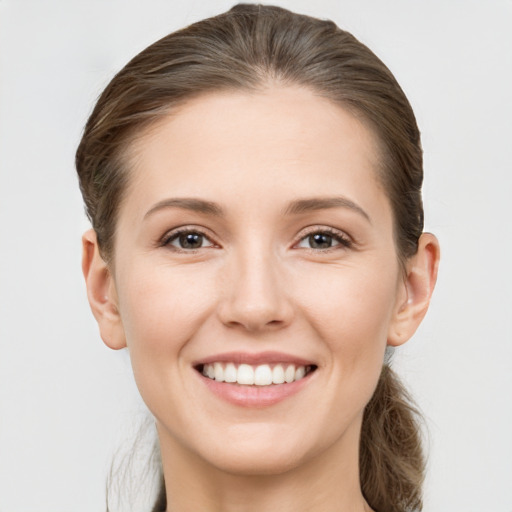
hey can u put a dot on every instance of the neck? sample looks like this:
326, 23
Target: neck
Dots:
328, 482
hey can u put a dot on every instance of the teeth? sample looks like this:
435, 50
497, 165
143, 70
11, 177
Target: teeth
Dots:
230, 373
245, 374
289, 374
299, 372
261, 375
218, 372
278, 374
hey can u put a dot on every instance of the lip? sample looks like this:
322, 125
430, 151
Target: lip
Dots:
269, 357
254, 396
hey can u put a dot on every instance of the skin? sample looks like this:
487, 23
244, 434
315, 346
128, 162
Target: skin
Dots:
258, 284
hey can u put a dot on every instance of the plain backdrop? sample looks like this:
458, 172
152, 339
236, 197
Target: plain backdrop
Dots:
67, 402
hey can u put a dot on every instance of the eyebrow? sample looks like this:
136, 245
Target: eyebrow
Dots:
323, 203
296, 207
192, 204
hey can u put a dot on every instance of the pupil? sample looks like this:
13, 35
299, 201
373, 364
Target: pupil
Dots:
320, 241
191, 240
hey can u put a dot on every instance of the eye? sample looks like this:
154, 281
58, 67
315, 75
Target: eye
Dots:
324, 239
187, 240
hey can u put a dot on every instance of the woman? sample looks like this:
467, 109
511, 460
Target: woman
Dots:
254, 186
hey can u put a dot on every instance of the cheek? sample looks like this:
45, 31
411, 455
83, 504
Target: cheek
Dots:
161, 310
351, 309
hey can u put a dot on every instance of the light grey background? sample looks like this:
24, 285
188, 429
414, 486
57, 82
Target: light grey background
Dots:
67, 402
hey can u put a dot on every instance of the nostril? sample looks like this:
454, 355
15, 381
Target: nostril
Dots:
253, 323
255, 303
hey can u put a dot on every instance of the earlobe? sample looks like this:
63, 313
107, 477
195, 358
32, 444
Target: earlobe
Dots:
101, 292
419, 282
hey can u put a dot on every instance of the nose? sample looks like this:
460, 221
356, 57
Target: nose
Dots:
255, 297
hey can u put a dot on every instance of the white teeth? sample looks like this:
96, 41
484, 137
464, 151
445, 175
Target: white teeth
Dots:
278, 374
263, 375
230, 373
289, 374
218, 372
247, 375
300, 372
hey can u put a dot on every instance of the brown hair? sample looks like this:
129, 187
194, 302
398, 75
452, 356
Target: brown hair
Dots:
247, 48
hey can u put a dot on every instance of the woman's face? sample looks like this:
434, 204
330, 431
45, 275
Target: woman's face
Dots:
256, 243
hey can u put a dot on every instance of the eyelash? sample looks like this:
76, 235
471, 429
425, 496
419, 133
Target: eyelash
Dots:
174, 235
343, 240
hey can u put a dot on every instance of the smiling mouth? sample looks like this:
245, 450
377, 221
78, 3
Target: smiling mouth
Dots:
255, 375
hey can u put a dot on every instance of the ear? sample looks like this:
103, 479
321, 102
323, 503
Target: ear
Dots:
416, 290
101, 292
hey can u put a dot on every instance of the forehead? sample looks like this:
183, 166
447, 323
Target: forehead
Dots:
228, 145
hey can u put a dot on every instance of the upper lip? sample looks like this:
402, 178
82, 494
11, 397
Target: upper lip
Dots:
269, 357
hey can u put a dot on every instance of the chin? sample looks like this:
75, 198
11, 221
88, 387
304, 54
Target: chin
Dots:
259, 450
263, 463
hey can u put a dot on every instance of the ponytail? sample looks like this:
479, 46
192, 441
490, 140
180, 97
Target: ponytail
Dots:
161, 502
391, 458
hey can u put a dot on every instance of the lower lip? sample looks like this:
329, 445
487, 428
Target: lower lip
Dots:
254, 396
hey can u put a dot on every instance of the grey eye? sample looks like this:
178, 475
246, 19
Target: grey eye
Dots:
189, 240
320, 241
323, 240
